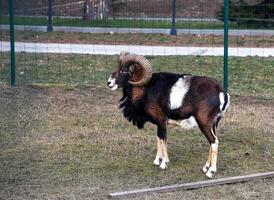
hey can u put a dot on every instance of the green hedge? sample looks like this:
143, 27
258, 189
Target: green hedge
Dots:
260, 14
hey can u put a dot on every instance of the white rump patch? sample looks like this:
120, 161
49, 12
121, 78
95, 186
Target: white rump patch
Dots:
178, 92
228, 102
222, 101
189, 123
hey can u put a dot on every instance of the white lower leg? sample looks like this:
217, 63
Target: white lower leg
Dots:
213, 162
206, 167
159, 153
165, 160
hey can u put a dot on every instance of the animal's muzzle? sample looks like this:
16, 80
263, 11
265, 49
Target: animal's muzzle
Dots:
112, 83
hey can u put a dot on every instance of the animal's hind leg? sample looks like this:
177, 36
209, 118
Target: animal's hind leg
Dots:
207, 165
211, 155
211, 164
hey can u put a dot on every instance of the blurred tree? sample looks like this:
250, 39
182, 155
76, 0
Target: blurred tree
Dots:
96, 9
87, 10
251, 13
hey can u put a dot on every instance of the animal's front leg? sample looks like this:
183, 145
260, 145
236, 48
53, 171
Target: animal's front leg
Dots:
165, 160
161, 132
159, 155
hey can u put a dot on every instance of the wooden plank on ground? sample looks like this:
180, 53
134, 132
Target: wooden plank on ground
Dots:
194, 185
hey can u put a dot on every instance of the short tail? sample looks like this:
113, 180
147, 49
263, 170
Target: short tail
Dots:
226, 102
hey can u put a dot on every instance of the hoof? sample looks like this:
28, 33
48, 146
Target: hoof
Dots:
163, 165
205, 169
210, 173
157, 161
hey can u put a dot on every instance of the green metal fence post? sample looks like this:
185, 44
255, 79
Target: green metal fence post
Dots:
12, 50
226, 44
49, 27
173, 30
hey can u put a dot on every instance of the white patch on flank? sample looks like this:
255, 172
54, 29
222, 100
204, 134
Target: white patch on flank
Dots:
189, 123
178, 92
112, 83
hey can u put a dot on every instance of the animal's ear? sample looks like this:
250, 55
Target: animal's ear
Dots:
132, 68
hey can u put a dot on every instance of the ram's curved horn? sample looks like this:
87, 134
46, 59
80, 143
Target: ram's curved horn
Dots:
122, 56
129, 59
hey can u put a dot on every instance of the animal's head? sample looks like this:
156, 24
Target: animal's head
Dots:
133, 69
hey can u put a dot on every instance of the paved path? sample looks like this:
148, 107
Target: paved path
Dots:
138, 49
140, 30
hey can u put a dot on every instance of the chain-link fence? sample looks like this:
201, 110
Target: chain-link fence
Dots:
76, 42
62, 134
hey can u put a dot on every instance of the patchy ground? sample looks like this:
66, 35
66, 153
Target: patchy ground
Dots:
141, 39
73, 143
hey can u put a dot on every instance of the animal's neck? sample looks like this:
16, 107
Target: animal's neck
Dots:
133, 111
133, 93
137, 93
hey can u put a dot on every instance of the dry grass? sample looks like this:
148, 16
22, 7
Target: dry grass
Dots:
73, 143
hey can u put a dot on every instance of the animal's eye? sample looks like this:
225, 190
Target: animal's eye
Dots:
123, 72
